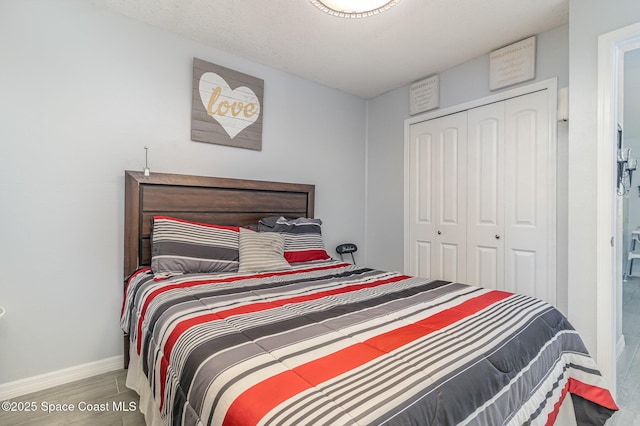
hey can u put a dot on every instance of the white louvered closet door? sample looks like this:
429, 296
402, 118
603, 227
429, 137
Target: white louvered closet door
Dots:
437, 216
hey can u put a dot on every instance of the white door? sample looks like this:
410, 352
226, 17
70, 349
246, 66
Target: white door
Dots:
529, 205
437, 201
485, 214
481, 188
510, 161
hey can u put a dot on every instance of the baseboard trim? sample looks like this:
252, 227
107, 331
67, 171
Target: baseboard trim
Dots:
60, 377
620, 346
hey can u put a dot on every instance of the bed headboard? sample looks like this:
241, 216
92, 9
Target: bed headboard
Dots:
203, 199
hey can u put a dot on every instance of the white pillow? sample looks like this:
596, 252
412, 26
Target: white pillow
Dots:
261, 251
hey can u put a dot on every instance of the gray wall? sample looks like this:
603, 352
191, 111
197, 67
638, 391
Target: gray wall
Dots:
385, 149
82, 92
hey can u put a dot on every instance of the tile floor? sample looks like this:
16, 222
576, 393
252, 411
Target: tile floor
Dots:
628, 374
112, 402
108, 389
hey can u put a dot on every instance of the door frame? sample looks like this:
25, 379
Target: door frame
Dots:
611, 49
552, 86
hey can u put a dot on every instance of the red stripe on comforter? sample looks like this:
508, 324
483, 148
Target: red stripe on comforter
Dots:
194, 283
126, 288
185, 325
268, 394
591, 393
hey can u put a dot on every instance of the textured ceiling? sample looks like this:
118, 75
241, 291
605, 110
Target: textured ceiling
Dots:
365, 57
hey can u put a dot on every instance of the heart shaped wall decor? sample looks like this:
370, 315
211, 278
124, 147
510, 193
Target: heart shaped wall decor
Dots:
233, 109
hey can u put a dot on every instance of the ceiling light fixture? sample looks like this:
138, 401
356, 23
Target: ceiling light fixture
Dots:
353, 8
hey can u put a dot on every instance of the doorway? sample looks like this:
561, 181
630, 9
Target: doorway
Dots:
628, 313
612, 48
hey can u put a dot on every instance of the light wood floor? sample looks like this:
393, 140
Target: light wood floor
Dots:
106, 394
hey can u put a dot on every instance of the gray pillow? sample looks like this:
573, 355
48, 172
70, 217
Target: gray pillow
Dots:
302, 237
261, 251
180, 246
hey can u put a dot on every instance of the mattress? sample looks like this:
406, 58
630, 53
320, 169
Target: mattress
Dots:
330, 343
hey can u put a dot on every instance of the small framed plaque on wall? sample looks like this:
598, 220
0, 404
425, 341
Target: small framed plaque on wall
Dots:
226, 106
512, 64
424, 95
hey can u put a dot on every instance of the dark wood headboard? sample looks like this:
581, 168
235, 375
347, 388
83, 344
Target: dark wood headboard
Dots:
219, 201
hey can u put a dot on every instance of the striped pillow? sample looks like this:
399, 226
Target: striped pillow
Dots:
261, 251
182, 247
302, 237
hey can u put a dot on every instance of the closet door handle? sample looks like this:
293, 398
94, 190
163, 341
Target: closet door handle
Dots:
497, 236
439, 233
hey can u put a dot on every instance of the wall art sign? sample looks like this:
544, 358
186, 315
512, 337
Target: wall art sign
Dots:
512, 64
424, 95
226, 108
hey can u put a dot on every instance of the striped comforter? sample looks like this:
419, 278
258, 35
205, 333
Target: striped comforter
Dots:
332, 343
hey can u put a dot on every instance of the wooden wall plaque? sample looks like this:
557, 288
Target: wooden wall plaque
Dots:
226, 106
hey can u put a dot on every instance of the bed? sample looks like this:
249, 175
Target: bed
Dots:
314, 340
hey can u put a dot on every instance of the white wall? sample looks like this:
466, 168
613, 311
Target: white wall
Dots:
82, 91
587, 20
385, 145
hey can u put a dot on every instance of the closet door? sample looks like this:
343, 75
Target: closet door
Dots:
481, 197
529, 206
485, 219
437, 206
